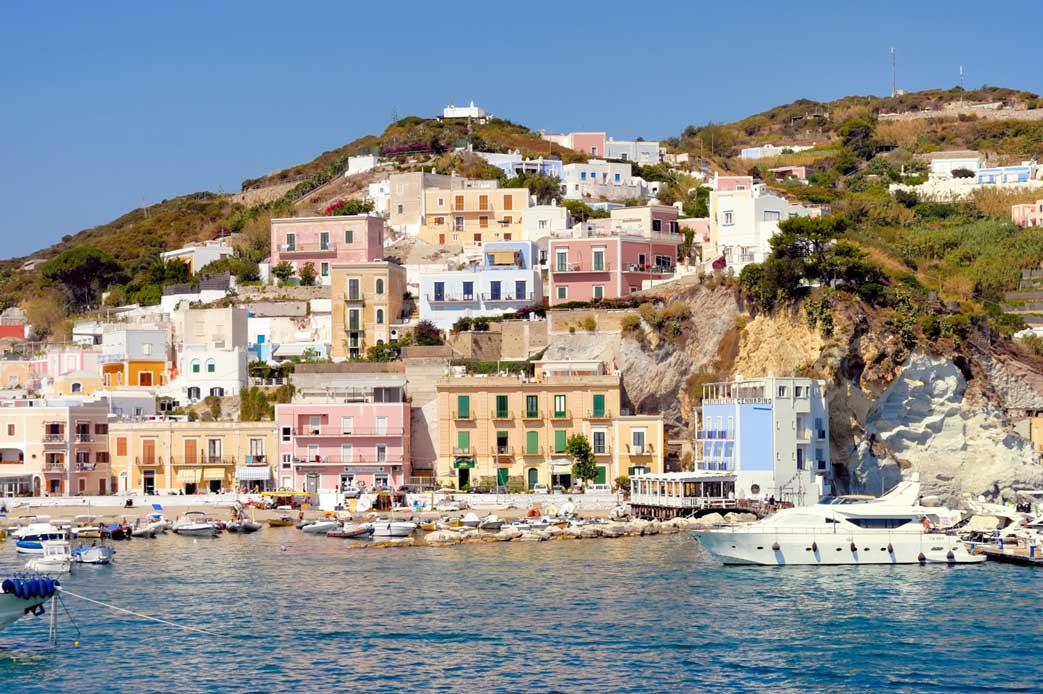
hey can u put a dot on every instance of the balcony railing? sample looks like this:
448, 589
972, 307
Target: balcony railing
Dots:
649, 269
462, 451
640, 450
583, 267
506, 298
86, 467
501, 414
464, 416
354, 460
446, 299
325, 430
715, 435
83, 437
502, 451
558, 414
54, 438
599, 414
203, 460
315, 247
355, 297
154, 461
530, 414
54, 466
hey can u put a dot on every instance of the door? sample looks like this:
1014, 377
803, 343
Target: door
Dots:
148, 482
148, 452
463, 478
501, 476
213, 450
441, 239
145, 378
311, 483
190, 452
534, 475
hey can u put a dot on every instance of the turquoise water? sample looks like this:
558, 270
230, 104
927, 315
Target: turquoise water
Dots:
633, 615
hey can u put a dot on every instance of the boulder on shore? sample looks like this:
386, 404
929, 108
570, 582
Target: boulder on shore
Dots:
509, 533
531, 536
613, 530
440, 538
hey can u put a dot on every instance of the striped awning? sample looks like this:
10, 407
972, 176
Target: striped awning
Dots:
213, 473
188, 476
254, 474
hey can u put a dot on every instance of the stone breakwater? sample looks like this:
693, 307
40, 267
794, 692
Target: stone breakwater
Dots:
590, 531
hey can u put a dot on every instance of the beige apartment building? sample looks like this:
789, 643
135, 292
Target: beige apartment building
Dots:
54, 448
473, 217
511, 430
175, 455
366, 304
407, 201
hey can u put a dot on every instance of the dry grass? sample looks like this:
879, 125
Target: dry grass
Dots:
997, 203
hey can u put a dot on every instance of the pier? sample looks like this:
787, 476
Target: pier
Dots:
1012, 554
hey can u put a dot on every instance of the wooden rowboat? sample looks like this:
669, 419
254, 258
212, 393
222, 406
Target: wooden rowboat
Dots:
283, 522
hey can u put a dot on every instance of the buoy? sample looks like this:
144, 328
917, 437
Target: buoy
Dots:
921, 558
814, 547
7, 586
853, 548
775, 546
34, 588
949, 555
890, 548
18, 588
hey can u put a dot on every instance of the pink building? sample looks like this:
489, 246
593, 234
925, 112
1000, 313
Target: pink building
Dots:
350, 431
608, 267
323, 241
730, 183
591, 143
1028, 214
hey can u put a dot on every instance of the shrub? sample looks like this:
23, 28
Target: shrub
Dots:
588, 323
426, 334
630, 322
308, 275
962, 173
462, 324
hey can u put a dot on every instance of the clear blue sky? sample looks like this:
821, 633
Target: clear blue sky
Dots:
106, 105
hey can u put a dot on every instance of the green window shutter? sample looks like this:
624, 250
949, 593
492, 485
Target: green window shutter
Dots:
599, 405
463, 406
532, 442
501, 476
501, 405
559, 440
349, 235
602, 476
559, 405
532, 406
463, 440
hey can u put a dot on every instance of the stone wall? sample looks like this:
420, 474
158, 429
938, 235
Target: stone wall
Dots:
270, 293
569, 320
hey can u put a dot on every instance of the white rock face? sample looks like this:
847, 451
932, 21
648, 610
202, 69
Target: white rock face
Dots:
958, 447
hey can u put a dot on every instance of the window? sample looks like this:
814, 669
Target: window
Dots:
782, 391
463, 442
508, 202
382, 426
483, 202
519, 290
559, 405
729, 218
146, 348
800, 458
494, 290
347, 453
560, 436
211, 366
257, 448
771, 215
582, 175
532, 443
291, 242
286, 433
599, 258
501, 406
563, 292
121, 445
820, 431
599, 291
324, 241
380, 285
532, 406
380, 316
193, 393
468, 290
483, 222
217, 392
637, 440
543, 224
439, 220
400, 209
657, 225
459, 204
347, 425
441, 202
478, 237
673, 227
76, 387
101, 457
617, 178
599, 405
195, 366
10, 429
561, 263
502, 443
353, 319
324, 269
598, 442
463, 406
508, 220
101, 429
382, 453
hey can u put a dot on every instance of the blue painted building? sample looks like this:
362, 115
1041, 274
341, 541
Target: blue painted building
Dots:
772, 432
1021, 173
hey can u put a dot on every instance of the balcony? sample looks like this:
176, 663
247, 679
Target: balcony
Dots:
371, 459
315, 248
599, 414
446, 299
83, 437
649, 269
86, 467
54, 466
646, 449
355, 298
502, 452
501, 415
457, 451
52, 439
464, 416
203, 460
715, 435
151, 461
260, 460
506, 298
561, 414
532, 415
582, 267
803, 435
325, 430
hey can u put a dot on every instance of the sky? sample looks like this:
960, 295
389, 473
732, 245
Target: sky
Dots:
105, 106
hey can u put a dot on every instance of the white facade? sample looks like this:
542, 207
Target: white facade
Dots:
204, 370
200, 255
379, 194
542, 221
469, 111
506, 280
768, 151
598, 178
742, 223
943, 167
641, 152
357, 165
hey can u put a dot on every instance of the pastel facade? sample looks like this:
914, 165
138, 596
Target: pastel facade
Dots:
607, 267
354, 432
366, 302
542, 221
324, 241
199, 255
407, 199
507, 279
513, 164
597, 179
134, 357
1028, 214
773, 432
642, 152
471, 217
175, 455
505, 430
590, 143
744, 216
999, 175
647, 221
212, 359
54, 448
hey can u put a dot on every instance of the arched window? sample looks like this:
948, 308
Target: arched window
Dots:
380, 316
195, 366
193, 393
380, 342
211, 366
76, 387
380, 285
217, 392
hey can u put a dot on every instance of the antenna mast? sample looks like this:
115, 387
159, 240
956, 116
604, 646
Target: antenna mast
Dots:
894, 90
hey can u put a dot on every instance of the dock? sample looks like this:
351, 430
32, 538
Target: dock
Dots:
1011, 555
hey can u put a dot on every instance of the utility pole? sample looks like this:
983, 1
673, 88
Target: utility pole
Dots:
894, 87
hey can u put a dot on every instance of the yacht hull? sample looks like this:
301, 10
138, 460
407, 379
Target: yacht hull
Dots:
828, 549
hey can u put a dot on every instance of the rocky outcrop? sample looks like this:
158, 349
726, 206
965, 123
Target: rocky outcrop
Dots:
926, 422
780, 343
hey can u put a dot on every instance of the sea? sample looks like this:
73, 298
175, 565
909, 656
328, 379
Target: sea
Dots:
290, 612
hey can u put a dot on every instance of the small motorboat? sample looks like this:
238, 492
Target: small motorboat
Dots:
116, 531
142, 528
93, 554
243, 526
85, 527
393, 528
520, 525
321, 527
22, 595
490, 522
363, 530
281, 522
471, 520
30, 538
195, 523
541, 523
55, 558
429, 526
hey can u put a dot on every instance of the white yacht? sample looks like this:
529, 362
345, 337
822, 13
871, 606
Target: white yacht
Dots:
843, 531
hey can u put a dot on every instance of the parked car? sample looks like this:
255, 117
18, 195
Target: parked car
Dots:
558, 489
540, 488
480, 490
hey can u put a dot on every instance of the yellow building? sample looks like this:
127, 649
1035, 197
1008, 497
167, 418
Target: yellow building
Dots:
510, 430
470, 217
134, 357
173, 455
366, 301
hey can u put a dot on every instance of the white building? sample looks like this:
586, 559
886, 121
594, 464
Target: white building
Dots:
542, 221
361, 164
199, 255
769, 151
506, 279
743, 217
597, 179
212, 352
773, 433
944, 163
469, 111
379, 194
633, 150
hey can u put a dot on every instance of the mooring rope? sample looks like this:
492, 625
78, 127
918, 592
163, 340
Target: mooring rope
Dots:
66, 591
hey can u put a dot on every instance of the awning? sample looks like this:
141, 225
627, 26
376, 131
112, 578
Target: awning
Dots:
189, 476
561, 462
213, 473
260, 473
463, 464
503, 257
